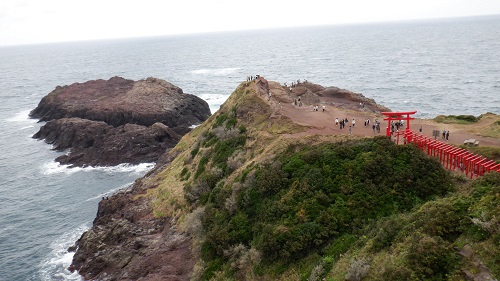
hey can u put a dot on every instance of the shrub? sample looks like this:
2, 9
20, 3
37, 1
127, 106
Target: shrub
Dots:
195, 151
430, 257
440, 218
358, 269
236, 160
392, 272
386, 232
314, 197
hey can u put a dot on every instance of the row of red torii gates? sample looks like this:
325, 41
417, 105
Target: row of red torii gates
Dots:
452, 157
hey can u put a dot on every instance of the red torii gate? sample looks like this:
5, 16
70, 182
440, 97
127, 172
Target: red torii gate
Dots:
391, 116
452, 157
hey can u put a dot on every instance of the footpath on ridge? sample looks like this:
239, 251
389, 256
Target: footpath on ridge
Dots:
347, 105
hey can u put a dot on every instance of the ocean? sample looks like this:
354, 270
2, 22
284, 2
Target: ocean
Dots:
447, 66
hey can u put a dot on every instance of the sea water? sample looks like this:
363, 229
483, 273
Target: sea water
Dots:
435, 67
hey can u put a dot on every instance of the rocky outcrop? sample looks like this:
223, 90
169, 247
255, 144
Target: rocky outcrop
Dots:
108, 122
127, 242
95, 143
316, 94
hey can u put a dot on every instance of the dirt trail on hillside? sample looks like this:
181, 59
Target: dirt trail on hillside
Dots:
323, 122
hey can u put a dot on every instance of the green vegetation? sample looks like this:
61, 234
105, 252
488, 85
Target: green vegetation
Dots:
457, 119
260, 206
317, 199
489, 152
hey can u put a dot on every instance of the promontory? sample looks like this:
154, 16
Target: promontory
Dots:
270, 188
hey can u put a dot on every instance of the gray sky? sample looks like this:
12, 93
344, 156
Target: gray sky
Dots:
40, 21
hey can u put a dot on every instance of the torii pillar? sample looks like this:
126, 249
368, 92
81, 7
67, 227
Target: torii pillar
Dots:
390, 116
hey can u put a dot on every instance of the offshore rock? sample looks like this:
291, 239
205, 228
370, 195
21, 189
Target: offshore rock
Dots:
108, 122
95, 143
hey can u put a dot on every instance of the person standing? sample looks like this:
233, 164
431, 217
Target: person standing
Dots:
350, 130
447, 134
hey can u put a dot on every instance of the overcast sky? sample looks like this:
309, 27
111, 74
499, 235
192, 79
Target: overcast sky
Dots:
40, 21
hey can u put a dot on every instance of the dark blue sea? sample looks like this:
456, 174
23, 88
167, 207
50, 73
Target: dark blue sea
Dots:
436, 67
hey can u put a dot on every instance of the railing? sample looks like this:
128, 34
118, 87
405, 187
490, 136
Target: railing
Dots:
453, 158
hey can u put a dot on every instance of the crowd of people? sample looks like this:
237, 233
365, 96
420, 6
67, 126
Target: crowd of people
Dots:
345, 122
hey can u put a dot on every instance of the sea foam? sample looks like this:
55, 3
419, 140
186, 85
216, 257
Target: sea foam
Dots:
54, 167
55, 265
215, 71
22, 116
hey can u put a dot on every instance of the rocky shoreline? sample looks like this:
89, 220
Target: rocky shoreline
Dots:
109, 122
127, 242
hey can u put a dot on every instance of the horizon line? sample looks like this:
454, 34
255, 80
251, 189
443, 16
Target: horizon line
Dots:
360, 23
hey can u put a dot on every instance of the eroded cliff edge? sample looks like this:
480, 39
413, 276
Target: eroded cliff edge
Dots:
108, 122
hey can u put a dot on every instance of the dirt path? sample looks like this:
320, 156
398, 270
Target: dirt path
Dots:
323, 122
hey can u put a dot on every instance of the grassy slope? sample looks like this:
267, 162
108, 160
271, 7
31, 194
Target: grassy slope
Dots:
487, 125
263, 206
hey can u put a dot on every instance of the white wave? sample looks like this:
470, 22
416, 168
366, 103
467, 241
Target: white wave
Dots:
215, 71
110, 192
22, 116
55, 265
124, 168
53, 167
27, 127
194, 126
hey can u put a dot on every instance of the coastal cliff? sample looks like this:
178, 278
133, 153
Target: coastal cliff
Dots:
256, 193
108, 122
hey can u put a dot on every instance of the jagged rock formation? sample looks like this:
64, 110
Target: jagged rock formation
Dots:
108, 122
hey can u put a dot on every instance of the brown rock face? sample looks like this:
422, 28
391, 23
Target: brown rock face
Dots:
118, 120
127, 243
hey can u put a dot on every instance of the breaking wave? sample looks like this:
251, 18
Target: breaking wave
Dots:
215, 71
54, 167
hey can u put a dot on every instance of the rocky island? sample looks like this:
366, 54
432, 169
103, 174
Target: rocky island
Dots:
269, 190
109, 122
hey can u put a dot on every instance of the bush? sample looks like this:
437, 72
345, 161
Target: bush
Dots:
440, 218
430, 257
395, 273
386, 233
311, 198
358, 269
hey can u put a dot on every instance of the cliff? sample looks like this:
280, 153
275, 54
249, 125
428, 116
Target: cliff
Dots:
252, 194
108, 122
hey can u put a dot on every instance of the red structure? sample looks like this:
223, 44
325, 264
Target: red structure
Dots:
392, 116
453, 158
